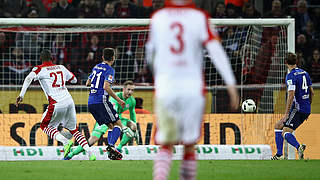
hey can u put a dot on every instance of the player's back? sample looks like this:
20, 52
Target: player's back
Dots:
100, 73
178, 36
52, 79
302, 90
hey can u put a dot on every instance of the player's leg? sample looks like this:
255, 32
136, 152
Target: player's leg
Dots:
294, 121
279, 141
128, 132
97, 132
166, 135
190, 120
71, 126
50, 121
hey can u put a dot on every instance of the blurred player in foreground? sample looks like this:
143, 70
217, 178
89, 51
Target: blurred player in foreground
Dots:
129, 125
178, 34
61, 109
298, 107
100, 107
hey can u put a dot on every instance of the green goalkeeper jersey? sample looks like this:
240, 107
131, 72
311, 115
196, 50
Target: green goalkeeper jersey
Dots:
130, 103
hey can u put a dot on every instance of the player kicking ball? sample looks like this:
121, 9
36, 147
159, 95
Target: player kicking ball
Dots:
61, 109
298, 107
130, 128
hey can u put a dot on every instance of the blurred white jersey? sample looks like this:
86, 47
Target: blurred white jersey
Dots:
177, 37
176, 41
52, 79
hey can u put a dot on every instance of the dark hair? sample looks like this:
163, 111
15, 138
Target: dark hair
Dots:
291, 58
108, 53
125, 84
45, 55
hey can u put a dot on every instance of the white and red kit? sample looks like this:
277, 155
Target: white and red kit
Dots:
177, 37
52, 79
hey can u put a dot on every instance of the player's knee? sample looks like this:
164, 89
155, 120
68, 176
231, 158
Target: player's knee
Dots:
278, 125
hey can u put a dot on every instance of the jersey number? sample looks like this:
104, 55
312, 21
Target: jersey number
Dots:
55, 75
98, 79
180, 48
304, 84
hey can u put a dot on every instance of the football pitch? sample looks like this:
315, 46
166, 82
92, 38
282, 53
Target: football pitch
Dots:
141, 170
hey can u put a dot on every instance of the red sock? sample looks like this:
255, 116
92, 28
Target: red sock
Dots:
162, 164
80, 138
188, 168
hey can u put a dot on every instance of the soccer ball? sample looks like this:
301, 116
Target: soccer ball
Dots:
248, 106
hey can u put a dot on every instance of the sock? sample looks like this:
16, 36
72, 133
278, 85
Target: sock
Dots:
109, 136
125, 139
279, 141
162, 164
115, 135
291, 139
80, 139
77, 151
54, 134
188, 168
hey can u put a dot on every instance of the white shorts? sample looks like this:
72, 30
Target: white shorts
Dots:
60, 113
179, 119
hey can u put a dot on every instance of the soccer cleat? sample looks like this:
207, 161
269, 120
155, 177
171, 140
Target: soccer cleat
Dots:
92, 157
67, 148
276, 157
301, 149
66, 158
114, 154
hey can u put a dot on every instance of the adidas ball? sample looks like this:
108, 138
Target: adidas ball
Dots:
248, 106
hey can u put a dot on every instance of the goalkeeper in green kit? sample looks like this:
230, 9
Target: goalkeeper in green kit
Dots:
130, 127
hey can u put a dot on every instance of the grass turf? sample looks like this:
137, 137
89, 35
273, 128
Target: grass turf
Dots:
141, 170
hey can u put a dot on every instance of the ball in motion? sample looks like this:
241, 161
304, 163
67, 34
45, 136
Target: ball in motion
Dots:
249, 106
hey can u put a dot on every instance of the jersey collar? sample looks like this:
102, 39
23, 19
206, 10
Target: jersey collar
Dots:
170, 4
47, 63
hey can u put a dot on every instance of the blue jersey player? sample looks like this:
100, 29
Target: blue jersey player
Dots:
298, 107
100, 107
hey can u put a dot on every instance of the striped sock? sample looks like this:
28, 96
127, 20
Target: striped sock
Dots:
53, 133
80, 139
188, 168
162, 164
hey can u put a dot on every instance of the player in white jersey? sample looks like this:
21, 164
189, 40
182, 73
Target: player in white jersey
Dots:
178, 34
61, 109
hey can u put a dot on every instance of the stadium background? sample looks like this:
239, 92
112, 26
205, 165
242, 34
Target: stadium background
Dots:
19, 52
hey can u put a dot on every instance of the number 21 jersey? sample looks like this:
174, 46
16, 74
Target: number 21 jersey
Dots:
100, 73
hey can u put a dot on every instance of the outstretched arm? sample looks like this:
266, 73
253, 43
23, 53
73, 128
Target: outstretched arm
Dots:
25, 86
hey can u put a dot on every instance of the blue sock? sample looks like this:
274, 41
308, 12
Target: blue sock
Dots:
115, 135
291, 139
279, 141
110, 136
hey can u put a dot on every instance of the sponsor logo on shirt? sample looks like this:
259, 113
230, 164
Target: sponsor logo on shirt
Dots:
110, 77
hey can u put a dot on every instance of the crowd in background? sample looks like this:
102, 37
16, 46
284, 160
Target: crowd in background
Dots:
86, 47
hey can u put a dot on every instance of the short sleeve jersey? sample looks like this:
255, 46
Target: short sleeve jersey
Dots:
299, 81
100, 73
52, 79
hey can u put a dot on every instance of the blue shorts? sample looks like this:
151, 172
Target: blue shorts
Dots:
295, 119
103, 113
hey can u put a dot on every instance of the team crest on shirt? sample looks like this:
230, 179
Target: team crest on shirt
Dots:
110, 77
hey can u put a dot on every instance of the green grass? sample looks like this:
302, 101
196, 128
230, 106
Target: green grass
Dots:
140, 170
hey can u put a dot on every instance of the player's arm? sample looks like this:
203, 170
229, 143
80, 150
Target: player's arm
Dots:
71, 78
290, 98
88, 83
26, 83
221, 62
133, 112
107, 87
